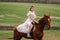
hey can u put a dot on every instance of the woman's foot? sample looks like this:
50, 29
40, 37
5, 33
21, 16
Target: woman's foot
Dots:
28, 35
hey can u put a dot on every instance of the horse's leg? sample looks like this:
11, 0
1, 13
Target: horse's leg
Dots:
19, 38
35, 38
15, 34
40, 38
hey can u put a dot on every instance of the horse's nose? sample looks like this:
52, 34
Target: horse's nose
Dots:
48, 27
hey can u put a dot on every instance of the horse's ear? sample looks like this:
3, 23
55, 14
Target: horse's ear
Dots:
49, 15
44, 15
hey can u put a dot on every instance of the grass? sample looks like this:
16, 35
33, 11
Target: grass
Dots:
15, 13
48, 35
52, 35
4, 34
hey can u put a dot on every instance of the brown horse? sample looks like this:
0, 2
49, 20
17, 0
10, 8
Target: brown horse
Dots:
38, 32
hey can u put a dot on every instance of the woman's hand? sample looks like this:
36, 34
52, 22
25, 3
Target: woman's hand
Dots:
35, 21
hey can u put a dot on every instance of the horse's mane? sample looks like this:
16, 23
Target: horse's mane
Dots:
41, 20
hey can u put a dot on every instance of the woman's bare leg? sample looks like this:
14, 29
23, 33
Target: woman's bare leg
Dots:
29, 29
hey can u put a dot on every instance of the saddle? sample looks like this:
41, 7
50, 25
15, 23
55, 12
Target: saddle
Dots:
33, 23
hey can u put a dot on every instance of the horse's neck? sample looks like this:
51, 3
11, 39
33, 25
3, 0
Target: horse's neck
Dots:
42, 24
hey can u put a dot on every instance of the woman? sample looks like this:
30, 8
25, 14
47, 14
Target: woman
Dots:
27, 25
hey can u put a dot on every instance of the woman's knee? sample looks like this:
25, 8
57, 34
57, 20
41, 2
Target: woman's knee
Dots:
31, 26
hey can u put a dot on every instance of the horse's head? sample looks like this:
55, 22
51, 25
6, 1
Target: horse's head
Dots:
46, 21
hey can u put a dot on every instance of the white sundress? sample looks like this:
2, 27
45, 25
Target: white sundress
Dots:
25, 26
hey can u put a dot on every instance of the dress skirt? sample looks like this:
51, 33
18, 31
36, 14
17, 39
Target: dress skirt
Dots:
24, 27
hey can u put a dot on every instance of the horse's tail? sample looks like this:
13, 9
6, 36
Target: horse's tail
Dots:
15, 32
11, 38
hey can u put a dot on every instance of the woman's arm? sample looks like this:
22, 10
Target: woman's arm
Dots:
31, 17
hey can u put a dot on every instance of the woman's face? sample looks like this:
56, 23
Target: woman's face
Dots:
32, 9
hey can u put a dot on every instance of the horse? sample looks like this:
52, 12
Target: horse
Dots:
38, 33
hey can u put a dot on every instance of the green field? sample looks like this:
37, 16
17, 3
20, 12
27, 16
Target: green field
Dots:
48, 35
12, 13
15, 13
